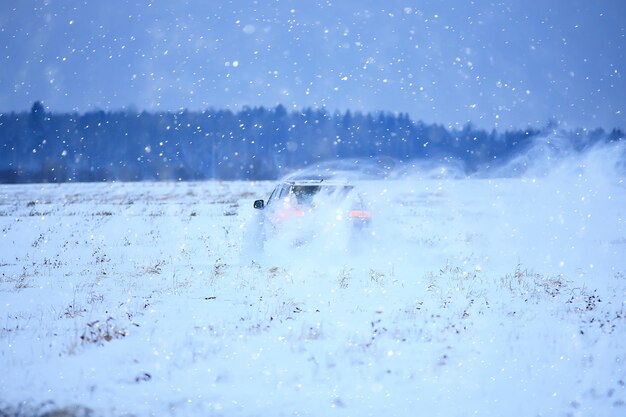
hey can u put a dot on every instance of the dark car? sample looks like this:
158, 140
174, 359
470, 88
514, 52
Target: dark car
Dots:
307, 208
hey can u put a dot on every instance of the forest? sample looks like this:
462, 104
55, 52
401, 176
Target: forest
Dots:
251, 144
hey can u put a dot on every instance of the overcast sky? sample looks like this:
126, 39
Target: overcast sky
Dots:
494, 63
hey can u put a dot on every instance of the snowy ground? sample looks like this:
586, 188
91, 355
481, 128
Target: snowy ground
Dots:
485, 297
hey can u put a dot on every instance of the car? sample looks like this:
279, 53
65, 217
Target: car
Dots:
305, 209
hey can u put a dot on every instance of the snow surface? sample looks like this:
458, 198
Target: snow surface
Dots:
481, 296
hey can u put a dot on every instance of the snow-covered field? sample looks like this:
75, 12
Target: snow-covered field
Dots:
485, 297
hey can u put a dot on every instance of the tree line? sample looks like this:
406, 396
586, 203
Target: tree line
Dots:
253, 143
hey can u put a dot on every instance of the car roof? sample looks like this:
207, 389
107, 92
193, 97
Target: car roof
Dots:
318, 183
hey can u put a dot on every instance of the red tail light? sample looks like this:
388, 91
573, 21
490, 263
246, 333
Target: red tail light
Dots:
288, 212
360, 214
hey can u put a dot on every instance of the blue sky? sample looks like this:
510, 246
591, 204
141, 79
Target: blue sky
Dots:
496, 64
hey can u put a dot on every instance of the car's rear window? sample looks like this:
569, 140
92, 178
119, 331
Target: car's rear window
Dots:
304, 193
